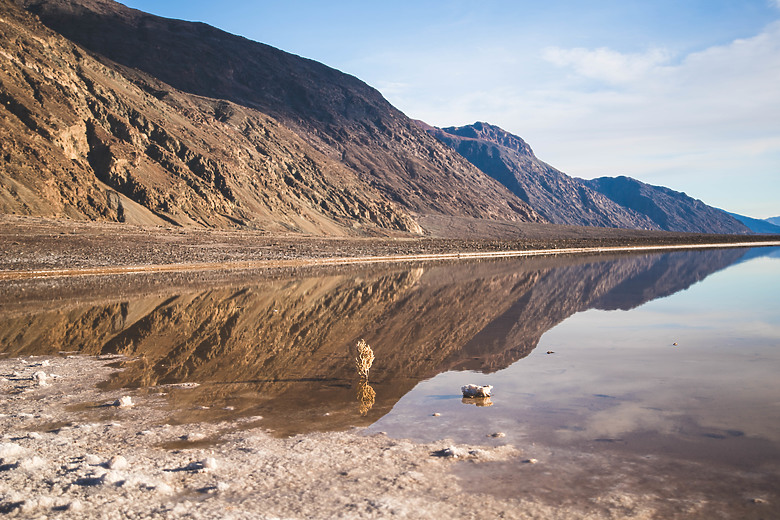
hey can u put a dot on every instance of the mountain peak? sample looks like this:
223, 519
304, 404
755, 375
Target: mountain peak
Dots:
492, 134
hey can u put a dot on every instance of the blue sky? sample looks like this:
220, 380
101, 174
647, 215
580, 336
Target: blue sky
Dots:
684, 94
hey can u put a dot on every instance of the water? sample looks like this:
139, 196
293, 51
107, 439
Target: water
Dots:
693, 373
661, 376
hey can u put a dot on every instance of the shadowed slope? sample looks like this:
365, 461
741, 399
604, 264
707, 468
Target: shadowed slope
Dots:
340, 116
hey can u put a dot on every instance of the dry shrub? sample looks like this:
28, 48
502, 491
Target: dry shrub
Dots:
364, 359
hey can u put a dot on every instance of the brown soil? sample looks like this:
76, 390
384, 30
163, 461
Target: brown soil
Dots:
28, 243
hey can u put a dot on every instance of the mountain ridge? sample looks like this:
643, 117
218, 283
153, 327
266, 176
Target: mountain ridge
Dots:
339, 116
756, 225
566, 200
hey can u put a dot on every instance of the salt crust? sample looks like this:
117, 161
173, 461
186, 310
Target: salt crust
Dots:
100, 468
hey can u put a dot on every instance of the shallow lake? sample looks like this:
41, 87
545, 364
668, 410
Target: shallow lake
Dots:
654, 371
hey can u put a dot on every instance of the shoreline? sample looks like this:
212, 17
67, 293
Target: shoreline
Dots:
365, 260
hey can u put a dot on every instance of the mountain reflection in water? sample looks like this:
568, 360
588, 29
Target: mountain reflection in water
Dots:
283, 349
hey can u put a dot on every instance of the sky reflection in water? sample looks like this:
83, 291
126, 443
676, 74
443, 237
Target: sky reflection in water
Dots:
617, 378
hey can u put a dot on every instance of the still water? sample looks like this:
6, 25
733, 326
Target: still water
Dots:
694, 373
662, 365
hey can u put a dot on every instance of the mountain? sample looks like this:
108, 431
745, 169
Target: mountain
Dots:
552, 193
670, 210
758, 225
773, 220
157, 121
607, 202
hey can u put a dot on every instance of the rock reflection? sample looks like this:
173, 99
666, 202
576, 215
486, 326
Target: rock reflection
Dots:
276, 348
477, 401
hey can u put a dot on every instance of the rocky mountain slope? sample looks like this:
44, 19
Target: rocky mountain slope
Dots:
565, 200
756, 225
165, 121
555, 195
670, 210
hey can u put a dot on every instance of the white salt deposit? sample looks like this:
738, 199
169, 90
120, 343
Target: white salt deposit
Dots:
92, 460
40, 377
9, 450
124, 402
117, 462
476, 390
32, 463
209, 463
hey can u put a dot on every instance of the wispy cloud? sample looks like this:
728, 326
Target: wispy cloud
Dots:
606, 64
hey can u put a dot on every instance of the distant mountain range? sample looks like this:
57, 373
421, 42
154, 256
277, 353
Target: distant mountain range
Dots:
610, 202
114, 114
766, 226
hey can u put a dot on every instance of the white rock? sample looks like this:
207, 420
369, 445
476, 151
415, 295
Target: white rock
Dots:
192, 437
111, 477
10, 450
40, 377
209, 463
476, 390
75, 506
34, 435
163, 488
117, 462
124, 402
450, 452
92, 460
32, 463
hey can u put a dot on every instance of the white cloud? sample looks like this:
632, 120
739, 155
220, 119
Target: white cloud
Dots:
606, 64
692, 121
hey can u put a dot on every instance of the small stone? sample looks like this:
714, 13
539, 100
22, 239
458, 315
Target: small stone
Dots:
163, 488
436, 414
758, 500
476, 390
450, 452
497, 435
530, 461
117, 462
76, 505
92, 460
111, 477
192, 437
675, 343
124, 402
209, 463
551, 352
40, 377
33, 463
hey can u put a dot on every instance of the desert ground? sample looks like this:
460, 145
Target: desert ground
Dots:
70, 449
